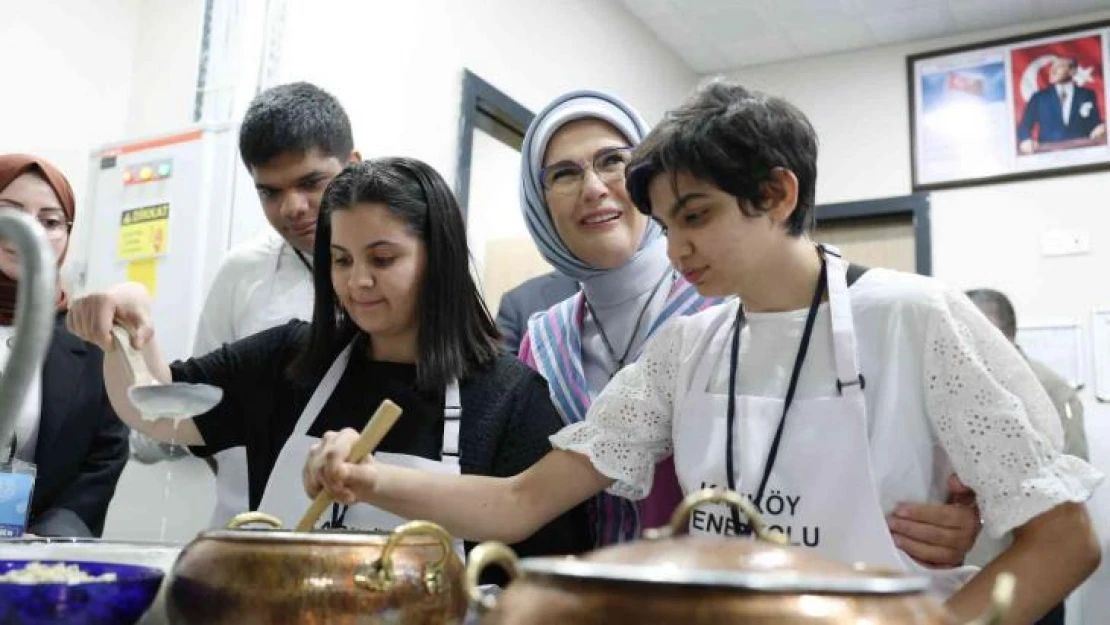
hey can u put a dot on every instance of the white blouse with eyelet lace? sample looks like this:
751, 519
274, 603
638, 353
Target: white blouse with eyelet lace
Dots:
946, 393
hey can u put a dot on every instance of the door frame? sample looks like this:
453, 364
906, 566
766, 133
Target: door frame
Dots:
481, 101
916, 206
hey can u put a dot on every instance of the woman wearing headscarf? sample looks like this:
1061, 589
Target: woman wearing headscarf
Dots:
582, 219
580, 216
66, 428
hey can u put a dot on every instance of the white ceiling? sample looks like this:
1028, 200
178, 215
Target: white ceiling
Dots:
715, 35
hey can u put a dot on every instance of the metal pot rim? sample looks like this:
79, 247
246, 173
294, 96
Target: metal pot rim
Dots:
325, 538
758, 581
83, 541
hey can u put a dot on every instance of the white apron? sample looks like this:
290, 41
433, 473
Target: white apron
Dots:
286, 295
285, 497
820, 492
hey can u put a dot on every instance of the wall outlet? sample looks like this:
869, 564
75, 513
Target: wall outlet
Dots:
1065, 243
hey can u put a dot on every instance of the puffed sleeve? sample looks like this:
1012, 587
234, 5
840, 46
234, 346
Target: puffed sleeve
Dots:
627, 429
995, 421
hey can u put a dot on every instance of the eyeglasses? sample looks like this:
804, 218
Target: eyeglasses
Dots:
566, 177
53, 222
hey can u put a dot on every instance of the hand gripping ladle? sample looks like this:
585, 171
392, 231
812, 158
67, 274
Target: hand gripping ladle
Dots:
156, 400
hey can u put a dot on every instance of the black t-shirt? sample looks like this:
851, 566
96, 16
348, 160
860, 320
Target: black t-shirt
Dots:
261, 404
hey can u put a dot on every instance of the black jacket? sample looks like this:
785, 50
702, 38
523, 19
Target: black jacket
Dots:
82, 445
507, 417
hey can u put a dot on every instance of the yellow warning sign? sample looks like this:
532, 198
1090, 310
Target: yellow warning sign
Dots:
144, 232
144, 271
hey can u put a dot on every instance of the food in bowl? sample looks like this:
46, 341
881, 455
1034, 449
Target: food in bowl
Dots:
121, 594
54, 573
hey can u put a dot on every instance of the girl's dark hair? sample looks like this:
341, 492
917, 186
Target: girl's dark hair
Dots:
734, 138
455, 332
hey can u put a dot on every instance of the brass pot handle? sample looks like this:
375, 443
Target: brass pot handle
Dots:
246, 518
378, 575
1002, 599
481, 557
680, 520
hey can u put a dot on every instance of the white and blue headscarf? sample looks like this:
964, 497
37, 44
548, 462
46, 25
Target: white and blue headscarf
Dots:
566, 108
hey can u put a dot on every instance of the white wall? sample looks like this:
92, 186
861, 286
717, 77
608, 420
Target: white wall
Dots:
164, 71
102, 72
78, 56
987, 236
397, 66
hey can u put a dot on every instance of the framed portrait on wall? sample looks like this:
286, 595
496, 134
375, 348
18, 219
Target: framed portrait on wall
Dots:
1010, 109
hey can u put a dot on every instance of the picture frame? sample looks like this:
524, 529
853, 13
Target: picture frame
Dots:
1020, 108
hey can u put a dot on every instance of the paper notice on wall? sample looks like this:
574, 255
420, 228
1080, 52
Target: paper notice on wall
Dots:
144, 232
145, 272
1100, 347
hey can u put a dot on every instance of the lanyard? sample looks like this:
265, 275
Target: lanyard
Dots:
772, 455
301, 257
12, 446
338, 517
636, 328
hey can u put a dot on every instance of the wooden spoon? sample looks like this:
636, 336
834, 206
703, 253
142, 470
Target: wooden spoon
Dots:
379, 425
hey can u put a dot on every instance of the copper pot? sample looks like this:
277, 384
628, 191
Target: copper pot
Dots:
410, 576
672, 578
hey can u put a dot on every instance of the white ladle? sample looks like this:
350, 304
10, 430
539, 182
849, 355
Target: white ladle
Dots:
156, 400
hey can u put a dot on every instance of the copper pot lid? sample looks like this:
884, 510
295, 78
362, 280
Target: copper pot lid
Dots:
670, 557
415, 534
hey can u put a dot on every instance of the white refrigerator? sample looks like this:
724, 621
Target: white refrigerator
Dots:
164, 210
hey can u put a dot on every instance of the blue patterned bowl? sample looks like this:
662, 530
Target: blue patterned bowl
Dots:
121, 602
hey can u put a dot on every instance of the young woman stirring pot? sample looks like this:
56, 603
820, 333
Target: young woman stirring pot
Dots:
398, 316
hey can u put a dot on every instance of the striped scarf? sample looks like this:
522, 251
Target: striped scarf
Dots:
553, 347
